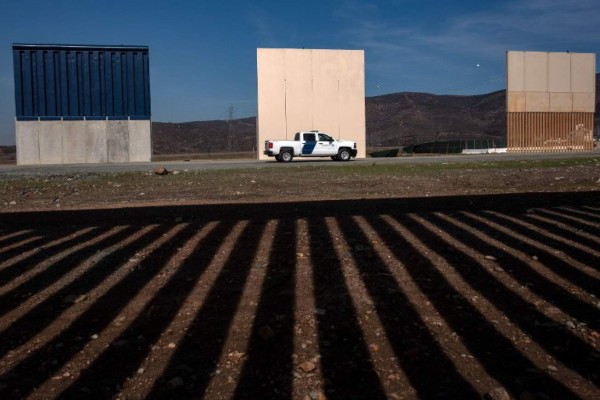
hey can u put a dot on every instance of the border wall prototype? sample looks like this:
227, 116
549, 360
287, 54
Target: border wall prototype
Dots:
550, 101
82, 104
305, 89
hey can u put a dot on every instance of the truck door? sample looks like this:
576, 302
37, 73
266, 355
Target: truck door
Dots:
309, 142
325, 145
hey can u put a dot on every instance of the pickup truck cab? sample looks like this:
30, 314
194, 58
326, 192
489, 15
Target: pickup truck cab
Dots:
310, 144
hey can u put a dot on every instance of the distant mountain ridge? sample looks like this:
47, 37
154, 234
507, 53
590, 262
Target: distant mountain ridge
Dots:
398, 119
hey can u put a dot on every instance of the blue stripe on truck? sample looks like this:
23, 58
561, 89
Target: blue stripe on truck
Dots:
308, 147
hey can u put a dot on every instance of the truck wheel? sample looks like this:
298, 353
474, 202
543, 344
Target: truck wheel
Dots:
344, 155
286, 156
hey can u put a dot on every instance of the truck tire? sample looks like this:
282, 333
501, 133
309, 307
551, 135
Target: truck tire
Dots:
286, 156
344, 155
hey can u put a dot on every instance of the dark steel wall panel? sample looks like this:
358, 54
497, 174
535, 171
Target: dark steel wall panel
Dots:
81, 81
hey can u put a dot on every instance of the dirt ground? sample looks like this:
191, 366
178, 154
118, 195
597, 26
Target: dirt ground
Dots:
400, 282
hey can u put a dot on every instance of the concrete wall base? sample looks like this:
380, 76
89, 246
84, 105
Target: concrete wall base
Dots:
83, 142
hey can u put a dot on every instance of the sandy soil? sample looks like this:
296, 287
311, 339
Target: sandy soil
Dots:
374, 282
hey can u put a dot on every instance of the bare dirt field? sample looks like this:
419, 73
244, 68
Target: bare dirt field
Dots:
379, 281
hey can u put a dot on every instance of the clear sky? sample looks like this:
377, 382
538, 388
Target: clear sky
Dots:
203, 53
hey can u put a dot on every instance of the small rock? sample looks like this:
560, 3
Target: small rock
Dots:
570, 325
498, 269
307, 366
176, 172
552, 368
94, 336
498, 393
67, 374
374, 347
490, 258
176, 382
141, 371
535, 258
12, 203
171, 345
161, 171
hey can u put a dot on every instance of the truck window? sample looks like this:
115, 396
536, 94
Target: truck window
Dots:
297, 136
310, 137
325, 138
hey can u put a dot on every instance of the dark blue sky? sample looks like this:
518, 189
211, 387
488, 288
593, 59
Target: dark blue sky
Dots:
203, 53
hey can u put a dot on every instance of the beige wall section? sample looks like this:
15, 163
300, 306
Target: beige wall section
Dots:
308, 89
51, 142
515, 66
73, 143
536, 71
550, 82
140, 141
85, 141
559, 72
28, 142
96, 142
271, 94
583, 73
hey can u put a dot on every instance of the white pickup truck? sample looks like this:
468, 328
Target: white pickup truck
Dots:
310, 144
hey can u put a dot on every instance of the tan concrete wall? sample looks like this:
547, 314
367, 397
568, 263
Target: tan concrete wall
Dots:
140, 141
88, 141
51, 142
305, 89
28, 142
550, 82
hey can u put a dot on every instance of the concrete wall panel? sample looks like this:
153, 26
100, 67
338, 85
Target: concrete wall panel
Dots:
28, 142
326, 92
583, 72
140, 141
271, 94
311, 89
515, 102
561, 102
583, 102
299, 94
536, 71
51, 142
352, 95
559, 72
515, 66
96, 142
117, 134
537, 101
74, 143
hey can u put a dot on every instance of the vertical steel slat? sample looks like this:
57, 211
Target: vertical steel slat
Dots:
18, 69
49, 83
130, 84
94, 84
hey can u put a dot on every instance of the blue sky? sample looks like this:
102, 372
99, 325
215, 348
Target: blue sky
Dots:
203, 53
